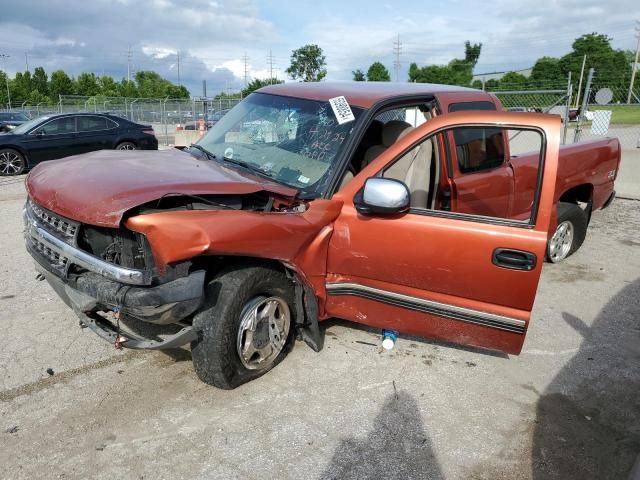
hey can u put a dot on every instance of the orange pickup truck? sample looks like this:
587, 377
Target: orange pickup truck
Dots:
423, 209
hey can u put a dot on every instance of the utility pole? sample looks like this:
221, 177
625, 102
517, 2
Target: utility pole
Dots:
204, 88
584, 61
129, 64
397, 48
635, 63
245, 59
270, 61
6, 77
26, 60
179, 81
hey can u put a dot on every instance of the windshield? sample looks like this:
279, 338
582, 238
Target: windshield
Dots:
9, 116
26, 126
294, 141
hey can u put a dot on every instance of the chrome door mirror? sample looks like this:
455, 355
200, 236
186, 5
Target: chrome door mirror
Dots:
383, 196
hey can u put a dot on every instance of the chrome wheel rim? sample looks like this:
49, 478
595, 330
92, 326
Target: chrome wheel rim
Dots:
10, 163
560, 243
263, 332
126, 146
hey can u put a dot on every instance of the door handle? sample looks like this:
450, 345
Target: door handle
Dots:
514, 259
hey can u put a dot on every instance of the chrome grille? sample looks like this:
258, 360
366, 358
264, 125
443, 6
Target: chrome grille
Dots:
55, 260
53, 222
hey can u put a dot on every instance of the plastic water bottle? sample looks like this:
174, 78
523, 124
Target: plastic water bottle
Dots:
389, 338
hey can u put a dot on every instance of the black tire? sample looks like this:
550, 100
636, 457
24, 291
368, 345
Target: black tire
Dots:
12, 162
126, 146
215, 354
578, 220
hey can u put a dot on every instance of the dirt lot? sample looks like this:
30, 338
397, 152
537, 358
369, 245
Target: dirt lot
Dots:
567, 408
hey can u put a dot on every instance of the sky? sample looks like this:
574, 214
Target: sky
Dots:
213, 38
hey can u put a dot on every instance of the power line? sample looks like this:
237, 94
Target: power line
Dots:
397, 48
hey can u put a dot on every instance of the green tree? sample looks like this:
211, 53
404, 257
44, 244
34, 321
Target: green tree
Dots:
307, 64
472, 53
513, 81
21, 87
358, 75
108, 86
40, 81
3, 90
547, 73
127, 88
257, 83
611, 66
456, 72
60, 84
477, 84
87, 84
378, 73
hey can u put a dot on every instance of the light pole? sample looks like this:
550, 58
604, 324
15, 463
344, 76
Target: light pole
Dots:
6, 77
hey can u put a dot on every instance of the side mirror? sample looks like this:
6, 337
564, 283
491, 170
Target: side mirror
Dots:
385, 196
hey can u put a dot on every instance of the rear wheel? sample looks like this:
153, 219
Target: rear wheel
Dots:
570, 232
247, 327
12, 162
126, 146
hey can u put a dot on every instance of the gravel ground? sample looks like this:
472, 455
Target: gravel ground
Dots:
567, 408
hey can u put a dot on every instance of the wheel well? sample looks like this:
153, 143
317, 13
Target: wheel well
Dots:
126, 140
581, 193
306, 301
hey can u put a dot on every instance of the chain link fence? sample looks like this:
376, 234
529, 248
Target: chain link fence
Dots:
164, 114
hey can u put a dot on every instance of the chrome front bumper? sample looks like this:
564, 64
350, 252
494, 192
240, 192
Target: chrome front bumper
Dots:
58, 251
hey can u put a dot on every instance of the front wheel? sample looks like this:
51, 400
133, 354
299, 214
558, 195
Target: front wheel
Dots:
570, 232
11, 162
126, 146
247, 327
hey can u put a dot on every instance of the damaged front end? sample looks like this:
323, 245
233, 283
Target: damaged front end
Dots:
107, 276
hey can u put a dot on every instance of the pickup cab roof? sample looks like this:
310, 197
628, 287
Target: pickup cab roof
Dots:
366, 94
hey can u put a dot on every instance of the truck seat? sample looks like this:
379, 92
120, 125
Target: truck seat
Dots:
414, 169
391, 132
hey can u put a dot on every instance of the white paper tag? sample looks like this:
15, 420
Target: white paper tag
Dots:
303, 179
341, 110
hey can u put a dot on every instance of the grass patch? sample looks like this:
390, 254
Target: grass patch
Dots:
621, 114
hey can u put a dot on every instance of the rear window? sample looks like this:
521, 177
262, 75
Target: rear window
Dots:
90, 123
465, 106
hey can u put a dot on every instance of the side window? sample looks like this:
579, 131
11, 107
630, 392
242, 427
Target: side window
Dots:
58, 126
90, 123
478, 148
482, 192
111, 123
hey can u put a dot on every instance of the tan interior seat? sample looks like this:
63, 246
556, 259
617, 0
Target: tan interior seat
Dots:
391, 132
414, 169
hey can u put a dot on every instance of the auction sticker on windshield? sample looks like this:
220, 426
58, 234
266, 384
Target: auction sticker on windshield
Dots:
341, 110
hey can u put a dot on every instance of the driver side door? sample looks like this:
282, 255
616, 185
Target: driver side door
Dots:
54, 139
453, 276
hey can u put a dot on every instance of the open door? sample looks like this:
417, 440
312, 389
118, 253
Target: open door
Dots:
467, 278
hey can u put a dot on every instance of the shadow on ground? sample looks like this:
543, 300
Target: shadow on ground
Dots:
397, 447
588, 419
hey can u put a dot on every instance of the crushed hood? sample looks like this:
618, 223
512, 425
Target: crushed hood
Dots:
99, 187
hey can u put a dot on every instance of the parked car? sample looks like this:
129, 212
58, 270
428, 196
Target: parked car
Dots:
433, 220
10, 120
56, 136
